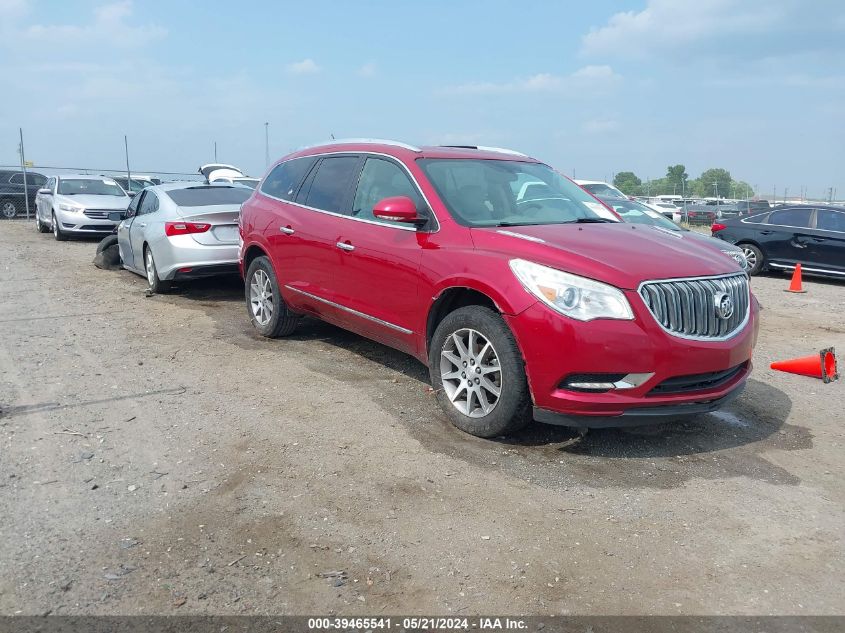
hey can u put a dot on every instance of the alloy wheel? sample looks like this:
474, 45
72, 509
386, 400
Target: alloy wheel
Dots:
8, 209
261, 297
750, 256
150, 267
470, 373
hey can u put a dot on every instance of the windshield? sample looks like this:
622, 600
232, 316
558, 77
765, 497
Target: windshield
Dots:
90, 187
601, 189
510, 193
206, 196
636, 213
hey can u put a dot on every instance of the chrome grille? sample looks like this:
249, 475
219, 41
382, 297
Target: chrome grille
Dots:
98, 214
687, 307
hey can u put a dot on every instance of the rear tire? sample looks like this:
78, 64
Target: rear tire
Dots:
156, 285
466, 378
264, 302
60, 235
755, 258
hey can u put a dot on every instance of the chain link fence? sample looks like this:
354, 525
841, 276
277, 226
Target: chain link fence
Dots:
18, 201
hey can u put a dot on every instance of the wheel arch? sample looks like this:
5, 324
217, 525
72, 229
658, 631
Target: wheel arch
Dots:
252, 252
450, 299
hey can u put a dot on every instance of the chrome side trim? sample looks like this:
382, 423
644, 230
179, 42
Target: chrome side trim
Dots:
807, 268
361, 141
350, 217
398, 328
521, 236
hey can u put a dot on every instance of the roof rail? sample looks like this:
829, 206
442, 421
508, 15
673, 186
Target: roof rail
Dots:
372, 141
485, 148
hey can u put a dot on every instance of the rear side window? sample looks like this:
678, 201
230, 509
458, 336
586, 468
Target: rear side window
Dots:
209, 196
331, 183
827, 220
284, 180
799, 218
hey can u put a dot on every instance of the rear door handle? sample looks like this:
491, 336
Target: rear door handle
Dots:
286, 230
142, 224
345, 246
766, 232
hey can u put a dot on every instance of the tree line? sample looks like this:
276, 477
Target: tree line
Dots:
714, 182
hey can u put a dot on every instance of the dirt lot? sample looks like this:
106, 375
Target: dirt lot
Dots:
158, 457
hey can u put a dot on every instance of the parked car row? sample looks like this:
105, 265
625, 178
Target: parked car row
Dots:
526, 296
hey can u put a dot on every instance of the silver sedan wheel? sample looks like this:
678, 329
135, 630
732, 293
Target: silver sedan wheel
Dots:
261, 297
470, 372
150, 267
8, 209
750, 257
55, 224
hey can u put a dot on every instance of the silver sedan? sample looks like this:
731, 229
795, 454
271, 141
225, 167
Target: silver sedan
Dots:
79, 205
182, 231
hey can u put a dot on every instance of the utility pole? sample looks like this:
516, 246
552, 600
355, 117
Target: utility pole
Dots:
774, 193
215, 151
785, 193
128, 172
266, 144
23, 168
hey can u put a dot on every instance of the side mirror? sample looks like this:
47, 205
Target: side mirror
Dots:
44, 191
397, 209
131, 194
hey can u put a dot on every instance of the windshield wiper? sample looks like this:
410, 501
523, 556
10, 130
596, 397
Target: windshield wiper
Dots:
594, 221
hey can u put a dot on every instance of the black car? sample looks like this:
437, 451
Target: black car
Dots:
813, 236
12, 194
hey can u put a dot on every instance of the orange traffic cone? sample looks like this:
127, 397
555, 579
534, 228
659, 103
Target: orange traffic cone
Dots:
822, 365
795, 284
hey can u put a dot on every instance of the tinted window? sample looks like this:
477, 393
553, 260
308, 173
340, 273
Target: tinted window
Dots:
205, 196
827, 220
149, 204
18, 179
382, 179
331, 183
791, 217
283, 181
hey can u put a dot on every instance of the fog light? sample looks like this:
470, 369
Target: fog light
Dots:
599, 383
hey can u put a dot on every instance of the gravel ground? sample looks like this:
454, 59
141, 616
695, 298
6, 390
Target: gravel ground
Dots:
156, 456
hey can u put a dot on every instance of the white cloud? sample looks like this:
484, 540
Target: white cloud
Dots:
600, 126
112, 25
305, 67
368, 70
666, 25
582, 79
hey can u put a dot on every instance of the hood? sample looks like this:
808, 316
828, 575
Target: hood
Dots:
118, 203
620, 254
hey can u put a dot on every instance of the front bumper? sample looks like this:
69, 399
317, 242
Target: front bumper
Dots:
78, 223
555, 347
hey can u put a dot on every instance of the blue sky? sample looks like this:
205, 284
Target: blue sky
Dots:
755, 86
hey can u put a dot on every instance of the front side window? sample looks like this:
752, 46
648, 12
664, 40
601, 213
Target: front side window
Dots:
89, 187
827, 220
799, 218
284, 180
331, 183
382, 179
485, 192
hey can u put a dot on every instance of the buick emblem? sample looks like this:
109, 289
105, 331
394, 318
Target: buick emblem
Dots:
724, 305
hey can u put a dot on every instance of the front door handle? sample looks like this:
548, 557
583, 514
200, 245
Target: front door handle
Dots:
286, 230
345, 246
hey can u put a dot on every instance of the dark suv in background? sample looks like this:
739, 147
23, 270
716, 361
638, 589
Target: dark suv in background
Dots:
12, 199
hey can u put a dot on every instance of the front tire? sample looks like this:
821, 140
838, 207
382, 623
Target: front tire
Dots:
39, 225
156, 285
60, 235
8, 209
267, 309
755, 258
478, 374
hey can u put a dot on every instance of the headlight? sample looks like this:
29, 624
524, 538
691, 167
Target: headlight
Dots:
574, 296
71, 207
740, 258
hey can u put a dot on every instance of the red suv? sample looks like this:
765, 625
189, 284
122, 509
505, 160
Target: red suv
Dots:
514, 285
